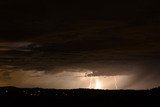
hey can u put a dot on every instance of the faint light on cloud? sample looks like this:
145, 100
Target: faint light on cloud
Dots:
5, 46
64, 80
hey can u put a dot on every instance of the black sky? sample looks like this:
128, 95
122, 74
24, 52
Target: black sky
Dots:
113, 37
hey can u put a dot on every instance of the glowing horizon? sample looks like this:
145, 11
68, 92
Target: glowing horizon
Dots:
74, 80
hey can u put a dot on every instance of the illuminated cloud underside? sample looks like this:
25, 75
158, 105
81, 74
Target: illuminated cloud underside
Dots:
67, 80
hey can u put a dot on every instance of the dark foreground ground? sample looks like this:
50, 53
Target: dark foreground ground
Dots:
37, 97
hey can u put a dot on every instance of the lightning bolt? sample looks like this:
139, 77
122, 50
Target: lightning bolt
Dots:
115, 80
90, 83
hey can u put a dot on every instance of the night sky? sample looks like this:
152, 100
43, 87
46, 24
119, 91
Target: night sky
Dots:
101, 45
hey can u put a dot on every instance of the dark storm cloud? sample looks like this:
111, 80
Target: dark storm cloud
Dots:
108, 38
111, 48
27, 19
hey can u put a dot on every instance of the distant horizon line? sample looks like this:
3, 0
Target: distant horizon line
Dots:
73, 88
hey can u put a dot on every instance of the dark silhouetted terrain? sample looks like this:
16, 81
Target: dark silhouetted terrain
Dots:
39, 92
80, 97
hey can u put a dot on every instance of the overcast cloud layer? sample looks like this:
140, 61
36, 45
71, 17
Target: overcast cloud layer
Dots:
109, 39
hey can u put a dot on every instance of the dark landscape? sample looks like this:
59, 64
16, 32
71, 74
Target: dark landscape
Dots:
39, 92
79, 97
